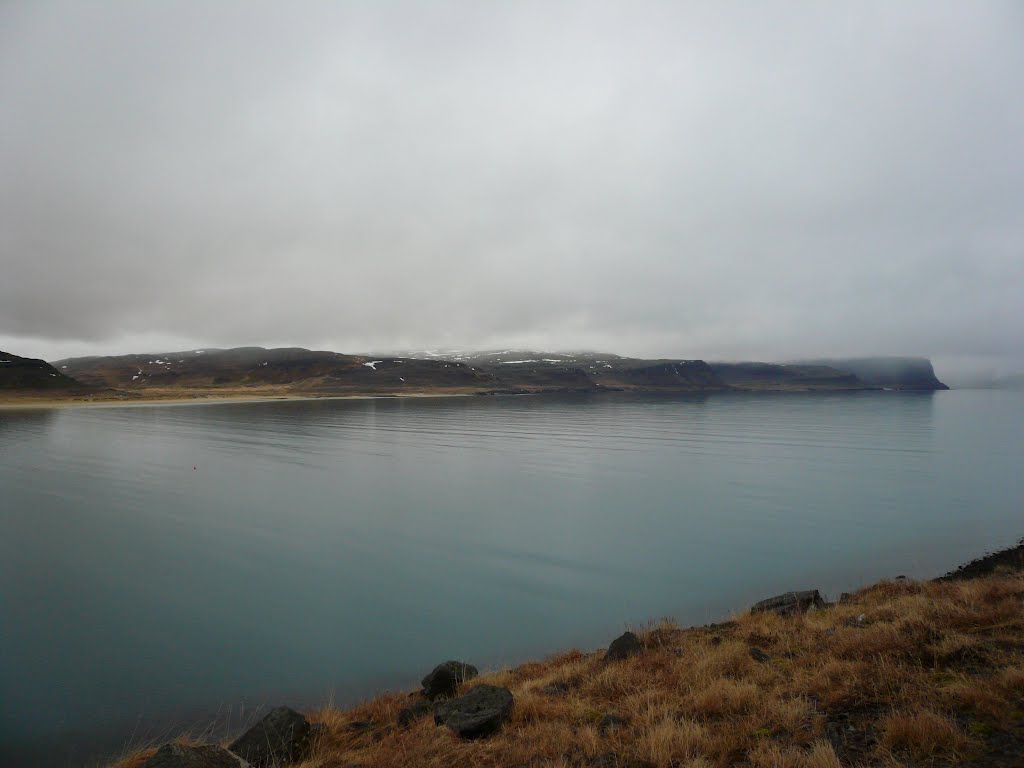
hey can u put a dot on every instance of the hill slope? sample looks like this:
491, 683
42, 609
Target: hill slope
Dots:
28, 375
592, 370
257, 370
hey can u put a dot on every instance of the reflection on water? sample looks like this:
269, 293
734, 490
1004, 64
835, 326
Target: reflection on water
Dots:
27, 421
337, 547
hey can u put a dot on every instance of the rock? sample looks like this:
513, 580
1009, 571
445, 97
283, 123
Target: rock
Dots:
280, 738
623, 647
445, 679
790, 603
478, 713
610, 723
410, 714
758, 655
179, 756
360, 726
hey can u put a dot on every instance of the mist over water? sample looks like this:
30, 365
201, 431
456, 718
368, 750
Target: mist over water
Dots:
334, 548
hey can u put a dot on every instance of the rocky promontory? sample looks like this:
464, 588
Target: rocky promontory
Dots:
888, 372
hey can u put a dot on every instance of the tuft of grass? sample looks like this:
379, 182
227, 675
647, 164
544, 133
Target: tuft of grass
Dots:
822, 755
669, 741
921, 735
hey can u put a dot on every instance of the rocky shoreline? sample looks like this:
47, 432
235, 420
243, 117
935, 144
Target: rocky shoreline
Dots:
479, 712
1010, 558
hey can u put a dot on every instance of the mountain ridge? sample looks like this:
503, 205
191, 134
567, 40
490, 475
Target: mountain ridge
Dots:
300, 372
303, 371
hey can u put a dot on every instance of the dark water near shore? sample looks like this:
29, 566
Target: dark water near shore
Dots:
333, 548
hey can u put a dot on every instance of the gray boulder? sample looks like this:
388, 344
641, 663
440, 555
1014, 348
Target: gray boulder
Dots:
445, 679
623, 647
280, 738
479, 713
790, 603
180, 756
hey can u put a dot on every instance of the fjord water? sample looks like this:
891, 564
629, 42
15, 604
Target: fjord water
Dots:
333, 548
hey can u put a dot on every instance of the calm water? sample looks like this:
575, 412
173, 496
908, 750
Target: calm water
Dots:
334, 548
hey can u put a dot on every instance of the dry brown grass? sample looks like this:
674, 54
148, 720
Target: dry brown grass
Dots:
921, 734
904, 673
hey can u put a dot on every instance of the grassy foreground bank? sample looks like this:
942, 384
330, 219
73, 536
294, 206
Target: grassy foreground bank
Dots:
902, 673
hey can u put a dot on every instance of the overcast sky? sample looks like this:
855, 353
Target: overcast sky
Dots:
722, 180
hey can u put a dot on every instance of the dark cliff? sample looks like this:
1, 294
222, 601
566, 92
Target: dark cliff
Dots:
888, 372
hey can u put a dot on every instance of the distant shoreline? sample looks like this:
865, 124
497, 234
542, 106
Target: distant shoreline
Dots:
35, 403
27, 403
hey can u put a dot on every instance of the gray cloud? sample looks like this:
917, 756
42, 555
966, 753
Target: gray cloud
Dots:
711, 180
